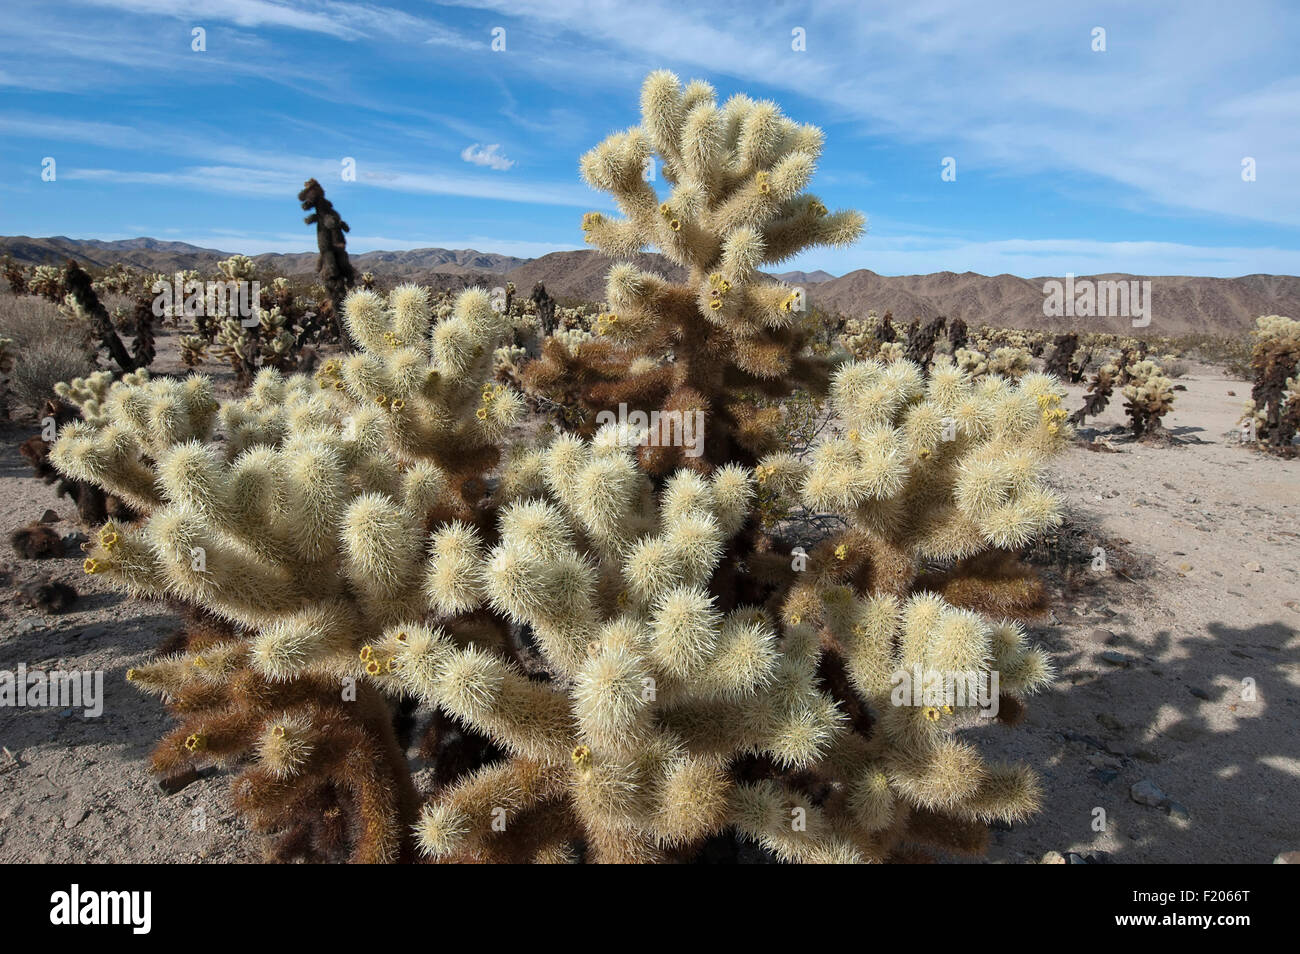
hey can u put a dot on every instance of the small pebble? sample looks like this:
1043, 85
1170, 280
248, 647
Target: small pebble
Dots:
1146, 792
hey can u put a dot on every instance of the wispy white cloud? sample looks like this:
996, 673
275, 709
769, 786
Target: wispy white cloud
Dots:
444, 36
275, 181
348, 21
490, 156
241, 170
1180, 96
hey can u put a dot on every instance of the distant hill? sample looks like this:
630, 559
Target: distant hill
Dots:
155, 255
804, 278
1180, 304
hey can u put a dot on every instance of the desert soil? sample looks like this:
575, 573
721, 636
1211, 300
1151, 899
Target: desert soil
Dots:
1177, 665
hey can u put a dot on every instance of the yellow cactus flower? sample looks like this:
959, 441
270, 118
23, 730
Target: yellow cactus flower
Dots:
582, 757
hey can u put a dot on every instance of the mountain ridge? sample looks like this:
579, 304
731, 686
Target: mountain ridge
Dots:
1180, 304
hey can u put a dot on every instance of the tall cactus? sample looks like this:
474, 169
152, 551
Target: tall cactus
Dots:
737, 176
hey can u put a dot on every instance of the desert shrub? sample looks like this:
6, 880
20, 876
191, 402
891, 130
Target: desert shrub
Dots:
45, 348
38, 369
1175, 367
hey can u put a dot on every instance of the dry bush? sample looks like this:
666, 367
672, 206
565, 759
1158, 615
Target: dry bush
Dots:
37, 370
46, 347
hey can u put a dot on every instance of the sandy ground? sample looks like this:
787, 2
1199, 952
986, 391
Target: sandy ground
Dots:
1178, 666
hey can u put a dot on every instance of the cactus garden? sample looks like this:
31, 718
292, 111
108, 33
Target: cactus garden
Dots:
695, 560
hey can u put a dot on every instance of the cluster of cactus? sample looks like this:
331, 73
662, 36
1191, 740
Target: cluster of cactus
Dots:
876, 338
921, 340
73, 400
620, 659
1005, 361
1274, 409
47, 281
120, 279
1117, 372
1010, 361
937, 468
1099, 390
861, 337
972, 361
988, 339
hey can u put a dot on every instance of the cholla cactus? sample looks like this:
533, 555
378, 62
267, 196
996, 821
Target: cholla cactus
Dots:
1274, 408
971, 361
193, 350
47, 281
663, 690
890, 351
1148, 397
737, 175
934, 469
1099, 391
269, 343
83, 304
861, 336
639, 650
304, 528
1010, 361
922, 338
238, 268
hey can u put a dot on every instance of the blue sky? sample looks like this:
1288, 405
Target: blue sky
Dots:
1067, 159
